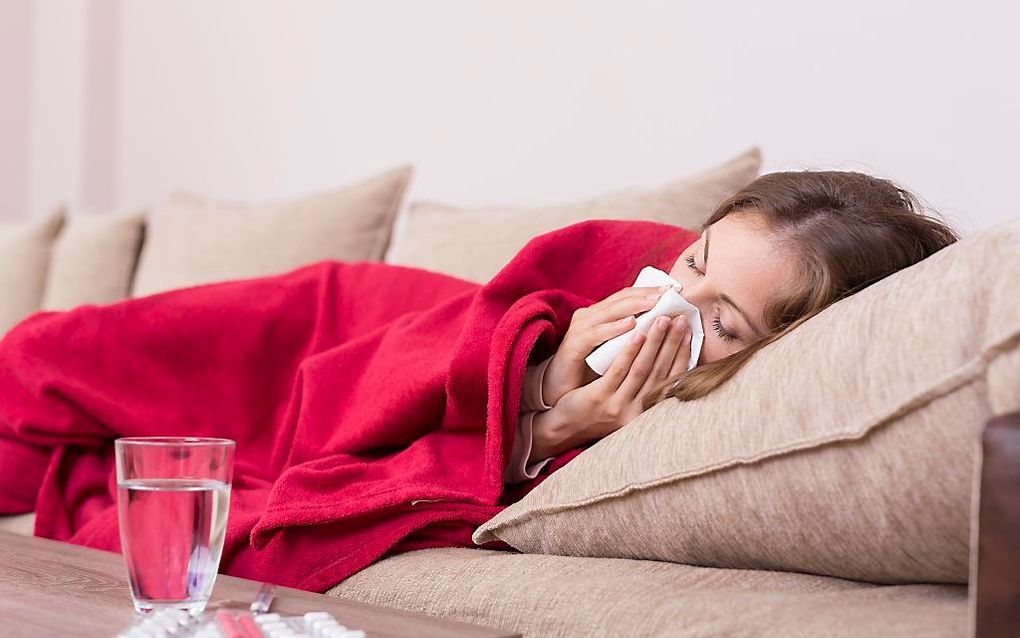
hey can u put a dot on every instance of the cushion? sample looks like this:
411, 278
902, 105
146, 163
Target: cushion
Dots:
21, 524
567, 596
475, 243
846, 448
24, 258
192, 240
93, 259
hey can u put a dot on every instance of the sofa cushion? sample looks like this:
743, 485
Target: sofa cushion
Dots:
475, 243
193, 241
24, 259
567, 596
93, 259
21, 524
846, 448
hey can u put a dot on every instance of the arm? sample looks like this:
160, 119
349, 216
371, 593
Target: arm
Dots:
525, 465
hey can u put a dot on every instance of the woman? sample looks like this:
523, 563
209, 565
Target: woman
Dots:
770, 257
376, 408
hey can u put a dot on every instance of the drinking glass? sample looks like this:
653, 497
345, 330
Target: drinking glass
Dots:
173, 494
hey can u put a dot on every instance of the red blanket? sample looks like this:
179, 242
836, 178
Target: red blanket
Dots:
373, 405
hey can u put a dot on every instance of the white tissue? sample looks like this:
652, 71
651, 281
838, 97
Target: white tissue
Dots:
670, 304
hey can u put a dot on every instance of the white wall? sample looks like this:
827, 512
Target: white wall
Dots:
530, 102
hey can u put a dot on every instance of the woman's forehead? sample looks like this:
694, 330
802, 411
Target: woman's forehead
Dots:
745, 261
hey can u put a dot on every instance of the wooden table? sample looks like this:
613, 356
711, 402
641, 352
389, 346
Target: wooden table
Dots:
48, 588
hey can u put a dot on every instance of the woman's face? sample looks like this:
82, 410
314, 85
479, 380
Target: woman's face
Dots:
730, 274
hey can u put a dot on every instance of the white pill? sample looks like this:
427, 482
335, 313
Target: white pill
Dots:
318, 626
312, 616
273, 626
264, 618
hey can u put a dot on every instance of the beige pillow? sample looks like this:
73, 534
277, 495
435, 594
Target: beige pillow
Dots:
93, 260
475, 243
24, 258
846, 448
193, 241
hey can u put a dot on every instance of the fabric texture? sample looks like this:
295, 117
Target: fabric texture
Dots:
846, 448
518, 469
542, 596
25, 249
193, 241
475, 243
93, 259
372, 404
22, 524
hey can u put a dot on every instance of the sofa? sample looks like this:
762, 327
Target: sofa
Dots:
834, 487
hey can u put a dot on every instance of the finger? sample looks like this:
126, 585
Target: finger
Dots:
683, 356
674, 336
604, 332
645, 360
674, 362
623, 307
620, 366
628, 293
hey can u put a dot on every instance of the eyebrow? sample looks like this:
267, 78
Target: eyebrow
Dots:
729, 300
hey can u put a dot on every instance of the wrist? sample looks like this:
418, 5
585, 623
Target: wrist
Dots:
547, 387
552, 434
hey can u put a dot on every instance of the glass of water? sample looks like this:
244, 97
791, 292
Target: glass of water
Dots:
173, 494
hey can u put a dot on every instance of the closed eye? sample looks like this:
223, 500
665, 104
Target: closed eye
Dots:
690, 264
723, 333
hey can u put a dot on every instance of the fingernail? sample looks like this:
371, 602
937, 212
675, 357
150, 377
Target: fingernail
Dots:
661, 322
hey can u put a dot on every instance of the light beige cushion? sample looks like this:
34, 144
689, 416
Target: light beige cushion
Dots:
545, 596
192, 241
24, 258
846, 448
93, 259
475, 243
22, 524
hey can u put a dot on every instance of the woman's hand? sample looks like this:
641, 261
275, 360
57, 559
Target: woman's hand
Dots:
590, 327
605, 405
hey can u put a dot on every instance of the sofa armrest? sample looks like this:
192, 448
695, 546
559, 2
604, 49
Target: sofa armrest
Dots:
997, 594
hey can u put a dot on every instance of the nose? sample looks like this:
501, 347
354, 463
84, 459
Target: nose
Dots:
698, 293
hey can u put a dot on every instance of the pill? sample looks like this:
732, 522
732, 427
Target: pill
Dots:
312, 616
264, 618
318, 626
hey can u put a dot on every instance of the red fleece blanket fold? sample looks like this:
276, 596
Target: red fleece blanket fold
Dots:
373, 405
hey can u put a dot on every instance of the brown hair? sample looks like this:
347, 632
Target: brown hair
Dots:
848, 231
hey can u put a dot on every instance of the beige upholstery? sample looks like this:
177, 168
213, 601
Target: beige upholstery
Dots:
846, 448
192, 241
475, 243
565, 596
23, 524
24, 259
93, 259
